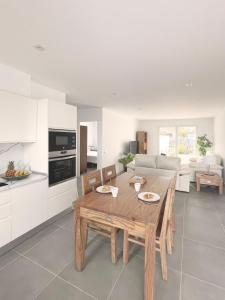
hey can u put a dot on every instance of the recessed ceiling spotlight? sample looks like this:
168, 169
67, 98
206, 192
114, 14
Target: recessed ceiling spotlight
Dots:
188, 84
114, 93
39, 48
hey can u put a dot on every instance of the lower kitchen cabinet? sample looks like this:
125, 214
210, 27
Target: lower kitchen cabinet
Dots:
5, 217
5, 231
61, 197
28, 207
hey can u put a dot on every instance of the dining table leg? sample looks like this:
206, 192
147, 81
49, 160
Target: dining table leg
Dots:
80, 227
149, 262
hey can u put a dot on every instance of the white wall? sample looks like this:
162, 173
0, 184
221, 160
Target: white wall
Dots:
203, 126
117, 131
90, 115
39, 91
219, 129
14, 81
15, 152
92, 133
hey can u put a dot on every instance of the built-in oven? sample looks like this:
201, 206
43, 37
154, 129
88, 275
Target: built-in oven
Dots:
61, 169
61, 142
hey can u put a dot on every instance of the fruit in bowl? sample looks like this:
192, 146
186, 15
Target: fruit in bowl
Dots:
21, 173
11, 169
11, 172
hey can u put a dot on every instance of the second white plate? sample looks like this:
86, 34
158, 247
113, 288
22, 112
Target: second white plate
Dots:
148, 197
104, 189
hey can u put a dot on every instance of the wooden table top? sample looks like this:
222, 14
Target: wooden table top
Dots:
127, 205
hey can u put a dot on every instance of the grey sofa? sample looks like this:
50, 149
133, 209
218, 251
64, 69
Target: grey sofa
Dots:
145, 164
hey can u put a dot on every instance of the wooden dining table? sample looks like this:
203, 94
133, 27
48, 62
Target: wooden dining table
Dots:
125, 212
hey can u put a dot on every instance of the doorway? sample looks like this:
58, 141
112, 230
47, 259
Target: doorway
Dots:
88, 147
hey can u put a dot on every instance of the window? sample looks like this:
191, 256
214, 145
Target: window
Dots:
178, 141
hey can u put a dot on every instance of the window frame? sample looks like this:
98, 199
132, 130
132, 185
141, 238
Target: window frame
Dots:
176, 132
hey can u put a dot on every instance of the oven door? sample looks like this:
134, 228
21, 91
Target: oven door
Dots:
60, 140
61, 169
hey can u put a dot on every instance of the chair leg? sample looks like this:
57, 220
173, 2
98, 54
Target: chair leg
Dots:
85, 234
113, 245
173, 222
169, 239
163, 259
125, 247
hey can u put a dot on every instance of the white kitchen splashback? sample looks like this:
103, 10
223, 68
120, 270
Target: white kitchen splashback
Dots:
8, 152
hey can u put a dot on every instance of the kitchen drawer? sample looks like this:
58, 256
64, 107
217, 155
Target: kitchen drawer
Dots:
60, 202
62, 188
5, 211
5, 197
5, 231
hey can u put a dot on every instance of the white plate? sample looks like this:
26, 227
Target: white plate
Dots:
155, 197
99, 189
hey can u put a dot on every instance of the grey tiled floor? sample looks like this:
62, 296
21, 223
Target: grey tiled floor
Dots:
42, 267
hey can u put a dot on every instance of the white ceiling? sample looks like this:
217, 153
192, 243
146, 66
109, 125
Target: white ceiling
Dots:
149, 59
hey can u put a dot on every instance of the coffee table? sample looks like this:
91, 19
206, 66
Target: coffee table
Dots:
211, 179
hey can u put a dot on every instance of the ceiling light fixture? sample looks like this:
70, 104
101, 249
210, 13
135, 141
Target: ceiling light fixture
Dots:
39, 48
188, 84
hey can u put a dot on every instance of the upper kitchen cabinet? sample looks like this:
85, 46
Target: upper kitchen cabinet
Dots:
18, 118
62, 116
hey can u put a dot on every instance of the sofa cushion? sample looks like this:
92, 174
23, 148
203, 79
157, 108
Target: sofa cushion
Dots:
168, 162
145, 160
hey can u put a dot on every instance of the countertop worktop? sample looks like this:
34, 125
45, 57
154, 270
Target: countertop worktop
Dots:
34, 177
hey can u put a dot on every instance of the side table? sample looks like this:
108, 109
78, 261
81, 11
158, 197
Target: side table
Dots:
211, 179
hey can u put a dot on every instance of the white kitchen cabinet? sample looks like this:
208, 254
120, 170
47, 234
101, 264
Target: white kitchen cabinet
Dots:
5, 231
62, 116
18, 118
61, 197
5, 217
29, 207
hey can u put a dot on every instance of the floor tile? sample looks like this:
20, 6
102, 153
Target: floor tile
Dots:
61, 290
55, 251
32, 241
175, 259
130, 284
179, 204
170, 289
179, 223
200, 201
201, 214
205, 232
67, 221
22, 280
7, 258
194, 289
203, 225
204, 262
99, 274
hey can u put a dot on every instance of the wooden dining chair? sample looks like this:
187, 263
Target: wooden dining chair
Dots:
160, 242
90, 182
108, 173
171, 227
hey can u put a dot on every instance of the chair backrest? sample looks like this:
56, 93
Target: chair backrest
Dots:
108, 173
166, 213
90, 181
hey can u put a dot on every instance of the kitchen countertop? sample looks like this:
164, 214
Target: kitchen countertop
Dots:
34, 177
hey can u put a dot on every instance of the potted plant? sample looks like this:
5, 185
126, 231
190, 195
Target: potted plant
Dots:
203, 144
125, 160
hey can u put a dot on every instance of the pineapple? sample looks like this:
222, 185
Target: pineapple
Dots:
11, 169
